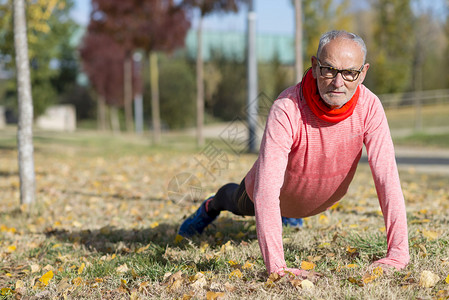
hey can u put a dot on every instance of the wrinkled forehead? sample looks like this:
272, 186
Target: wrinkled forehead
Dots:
342, 51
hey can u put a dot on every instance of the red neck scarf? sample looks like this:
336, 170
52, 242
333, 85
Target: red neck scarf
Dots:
319, 108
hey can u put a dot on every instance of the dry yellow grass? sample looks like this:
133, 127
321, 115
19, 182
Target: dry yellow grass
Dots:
105, 226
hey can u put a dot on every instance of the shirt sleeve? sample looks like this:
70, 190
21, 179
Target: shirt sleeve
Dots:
383, 166
269, 177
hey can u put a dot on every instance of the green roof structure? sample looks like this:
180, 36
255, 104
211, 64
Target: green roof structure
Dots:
232, 44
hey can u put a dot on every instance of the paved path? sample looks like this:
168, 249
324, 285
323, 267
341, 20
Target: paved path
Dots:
420, 159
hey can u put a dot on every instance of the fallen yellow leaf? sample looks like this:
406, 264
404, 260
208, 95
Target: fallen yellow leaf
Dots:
200, 282
11, 249
335, 206
6, 292
35, 268
81, 268
447, 279
373, 275
323, 219
135, 296
236, 273
351, 250
77, 281
63, 285
45, 279
204, 246
296, 283
233, 263
226, 247
122, 269
195, 277
428, 279
431, 235
324, 245
142, 249
420, 221
178, 238
210, 295
247, 265
306, 265
19, 284
307, 284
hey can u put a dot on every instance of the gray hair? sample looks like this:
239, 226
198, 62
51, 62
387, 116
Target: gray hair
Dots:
332, 35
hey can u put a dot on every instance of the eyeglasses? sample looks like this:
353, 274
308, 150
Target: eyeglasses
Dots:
347, 74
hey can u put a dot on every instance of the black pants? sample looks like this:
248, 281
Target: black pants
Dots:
232, 197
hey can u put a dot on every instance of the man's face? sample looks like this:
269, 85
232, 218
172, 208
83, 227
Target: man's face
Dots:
339, 53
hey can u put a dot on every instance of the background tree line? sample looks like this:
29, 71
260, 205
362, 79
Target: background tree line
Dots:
407, 49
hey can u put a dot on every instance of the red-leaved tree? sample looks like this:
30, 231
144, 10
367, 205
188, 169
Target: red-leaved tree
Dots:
102, 60
151, 25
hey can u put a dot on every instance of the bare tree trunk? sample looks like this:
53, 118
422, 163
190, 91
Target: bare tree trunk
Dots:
298, 41
101, 114
127, 80
199, 86
154, 83
25, 125
115, 122
252, 100
138, 97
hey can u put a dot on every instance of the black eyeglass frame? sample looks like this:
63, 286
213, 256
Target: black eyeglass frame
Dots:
340, 71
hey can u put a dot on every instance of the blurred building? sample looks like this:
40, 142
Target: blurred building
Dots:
232, 44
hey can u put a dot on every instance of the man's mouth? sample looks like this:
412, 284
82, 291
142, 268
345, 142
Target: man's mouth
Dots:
336, 93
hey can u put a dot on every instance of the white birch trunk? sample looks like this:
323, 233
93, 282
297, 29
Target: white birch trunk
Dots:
25, 101
199, 86
298, 41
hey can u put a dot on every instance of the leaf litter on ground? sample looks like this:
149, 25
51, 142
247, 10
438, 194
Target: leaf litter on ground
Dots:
104, 226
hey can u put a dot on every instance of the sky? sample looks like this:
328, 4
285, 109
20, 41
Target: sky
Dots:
272, 16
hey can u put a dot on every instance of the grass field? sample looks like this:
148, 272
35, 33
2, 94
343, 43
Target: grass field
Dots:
406, 117
107, 212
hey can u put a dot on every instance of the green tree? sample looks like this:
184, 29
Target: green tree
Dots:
231, 90
48, 28
321, 16
177, 96
445, 62
391, 52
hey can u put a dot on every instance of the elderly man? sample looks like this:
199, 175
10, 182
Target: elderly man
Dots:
309, 153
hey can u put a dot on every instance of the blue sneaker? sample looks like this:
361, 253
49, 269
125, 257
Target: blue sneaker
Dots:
196, 223
293, 222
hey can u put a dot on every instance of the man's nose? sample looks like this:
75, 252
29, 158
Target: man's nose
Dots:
338, 80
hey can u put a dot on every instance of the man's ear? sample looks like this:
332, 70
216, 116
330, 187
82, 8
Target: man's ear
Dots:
363, 74
314, 65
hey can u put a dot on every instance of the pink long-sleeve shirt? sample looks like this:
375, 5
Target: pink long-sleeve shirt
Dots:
305, 165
